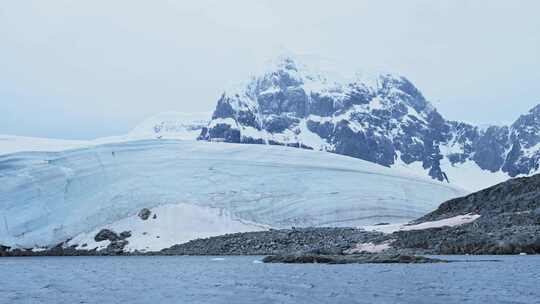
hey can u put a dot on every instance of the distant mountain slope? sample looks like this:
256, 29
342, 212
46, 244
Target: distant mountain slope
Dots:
383, 119
49, 197
166, 125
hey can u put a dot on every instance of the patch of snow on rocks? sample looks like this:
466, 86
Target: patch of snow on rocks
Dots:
169, 225
369, 248
448, 222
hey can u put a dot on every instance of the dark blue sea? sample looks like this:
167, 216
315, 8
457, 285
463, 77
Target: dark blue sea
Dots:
472, 279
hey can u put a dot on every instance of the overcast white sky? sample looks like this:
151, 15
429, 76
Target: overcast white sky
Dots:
83, 69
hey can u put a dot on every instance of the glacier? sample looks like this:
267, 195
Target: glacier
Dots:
48, 198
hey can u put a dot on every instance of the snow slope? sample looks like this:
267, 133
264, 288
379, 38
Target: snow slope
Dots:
169, 225
448, 222
49, 197
12, 144
467, 175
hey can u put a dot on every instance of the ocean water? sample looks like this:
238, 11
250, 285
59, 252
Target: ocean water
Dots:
511, 279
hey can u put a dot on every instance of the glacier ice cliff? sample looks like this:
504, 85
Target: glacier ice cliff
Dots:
50, 197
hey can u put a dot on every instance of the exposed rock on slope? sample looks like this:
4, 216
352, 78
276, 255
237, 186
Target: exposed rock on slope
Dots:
299, 240
509, 222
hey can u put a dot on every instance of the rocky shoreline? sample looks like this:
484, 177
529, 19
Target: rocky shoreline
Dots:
283, 241
351, 259
465, 239
271, 242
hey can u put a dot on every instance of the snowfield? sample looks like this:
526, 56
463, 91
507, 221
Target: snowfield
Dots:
169, 225
50, 197
13, 144
447, 222
467, 175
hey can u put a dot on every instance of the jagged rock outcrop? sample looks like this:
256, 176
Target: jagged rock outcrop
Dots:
385, 120
144, 214
106, 235
117, 241
524, 141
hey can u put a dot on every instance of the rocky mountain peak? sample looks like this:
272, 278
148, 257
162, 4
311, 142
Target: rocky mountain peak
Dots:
383, 119
529, 124
399, 88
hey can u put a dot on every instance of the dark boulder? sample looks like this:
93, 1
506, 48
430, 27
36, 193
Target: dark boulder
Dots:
144, 214
106, 235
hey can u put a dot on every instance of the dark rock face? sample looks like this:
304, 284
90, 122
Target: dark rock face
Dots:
381, 123
116, 247
106, 235
509, 222
144, 214
118, 241
4, 250
519, 195
490, 147
470, 239
524, 155
124, 235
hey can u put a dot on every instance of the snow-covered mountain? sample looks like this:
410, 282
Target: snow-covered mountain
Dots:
171, 125
401, 149
383, 119
197, 189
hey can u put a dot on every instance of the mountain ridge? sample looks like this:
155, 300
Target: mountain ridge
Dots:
385, 120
